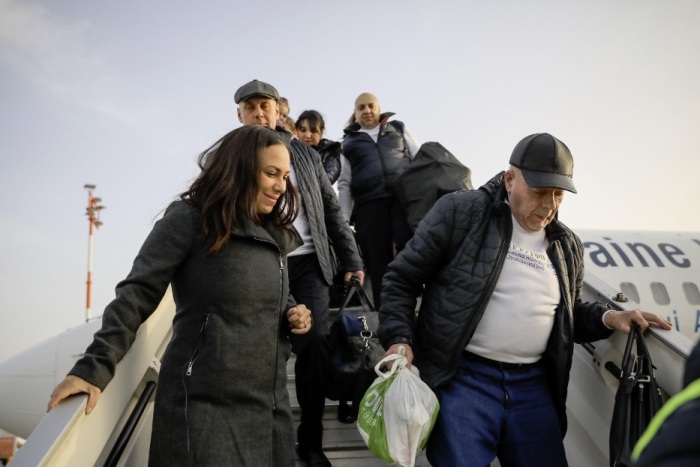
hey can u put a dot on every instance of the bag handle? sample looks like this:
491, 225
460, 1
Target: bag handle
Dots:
356, 288
637, 368
398, 362
631, 337
635, 336
641, 343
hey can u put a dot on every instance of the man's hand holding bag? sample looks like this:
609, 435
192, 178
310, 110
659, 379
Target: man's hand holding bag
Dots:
398, 412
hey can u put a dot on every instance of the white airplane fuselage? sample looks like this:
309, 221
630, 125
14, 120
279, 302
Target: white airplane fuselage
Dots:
658, 270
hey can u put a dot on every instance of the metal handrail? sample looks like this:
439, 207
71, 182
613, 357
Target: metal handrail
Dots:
128, 430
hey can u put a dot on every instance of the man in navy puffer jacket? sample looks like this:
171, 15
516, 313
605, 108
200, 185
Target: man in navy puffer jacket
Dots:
501, 280
375, 151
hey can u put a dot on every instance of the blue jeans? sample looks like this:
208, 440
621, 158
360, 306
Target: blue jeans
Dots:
487, 411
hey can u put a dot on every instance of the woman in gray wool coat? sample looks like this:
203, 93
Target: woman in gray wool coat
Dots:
222, 396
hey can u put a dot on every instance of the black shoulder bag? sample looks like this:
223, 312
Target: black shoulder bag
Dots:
637, 400
354, 347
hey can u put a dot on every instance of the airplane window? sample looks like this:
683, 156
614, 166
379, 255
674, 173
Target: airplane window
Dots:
630, 290
691, 293
658, 290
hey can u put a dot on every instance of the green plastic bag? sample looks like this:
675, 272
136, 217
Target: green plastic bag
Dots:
397, 412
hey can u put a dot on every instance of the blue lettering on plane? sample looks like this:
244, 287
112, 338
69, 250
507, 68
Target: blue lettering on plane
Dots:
630, 254
674, 321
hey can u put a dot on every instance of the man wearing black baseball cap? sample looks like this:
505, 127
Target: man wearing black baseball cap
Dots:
501, 281
545, 162
320, 223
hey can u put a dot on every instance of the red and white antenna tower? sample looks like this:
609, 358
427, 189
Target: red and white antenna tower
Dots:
93, 214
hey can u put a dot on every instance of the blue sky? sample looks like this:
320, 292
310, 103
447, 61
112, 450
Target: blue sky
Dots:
124, 95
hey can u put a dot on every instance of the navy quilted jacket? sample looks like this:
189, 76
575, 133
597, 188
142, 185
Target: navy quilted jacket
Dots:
454, 260
375, 166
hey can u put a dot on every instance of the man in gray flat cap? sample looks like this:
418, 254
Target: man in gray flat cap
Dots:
310, 266
501, 280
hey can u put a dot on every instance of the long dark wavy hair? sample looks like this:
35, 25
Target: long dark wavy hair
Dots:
227, 187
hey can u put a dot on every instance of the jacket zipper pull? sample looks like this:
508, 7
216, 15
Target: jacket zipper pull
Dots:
190, 364
281, 264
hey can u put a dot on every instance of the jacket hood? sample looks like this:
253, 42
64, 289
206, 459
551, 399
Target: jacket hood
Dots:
496, 191
355, 127
495, 188
328, 145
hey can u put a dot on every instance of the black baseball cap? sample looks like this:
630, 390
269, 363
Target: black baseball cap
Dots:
545, 162
256, 88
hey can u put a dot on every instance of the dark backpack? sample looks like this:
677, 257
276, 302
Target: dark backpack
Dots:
434, 172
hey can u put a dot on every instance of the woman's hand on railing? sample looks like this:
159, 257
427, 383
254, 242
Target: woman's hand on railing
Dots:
74, 385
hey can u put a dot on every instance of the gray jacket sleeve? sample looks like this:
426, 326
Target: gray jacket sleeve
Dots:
139, 294
344, 193
339, 230
323, 210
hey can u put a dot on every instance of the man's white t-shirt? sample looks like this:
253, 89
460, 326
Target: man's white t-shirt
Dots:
519, 317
